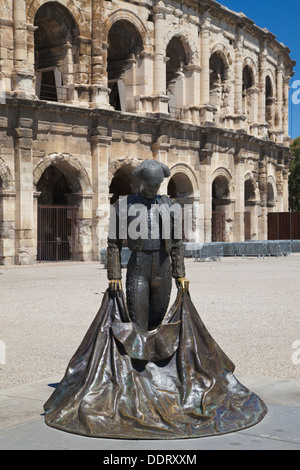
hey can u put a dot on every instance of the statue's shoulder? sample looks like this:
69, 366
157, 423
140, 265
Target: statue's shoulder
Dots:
167, 200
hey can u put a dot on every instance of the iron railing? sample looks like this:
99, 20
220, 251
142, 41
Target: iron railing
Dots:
216, 250
56, 233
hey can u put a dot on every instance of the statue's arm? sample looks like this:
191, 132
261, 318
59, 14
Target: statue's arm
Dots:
178, 266
114, 247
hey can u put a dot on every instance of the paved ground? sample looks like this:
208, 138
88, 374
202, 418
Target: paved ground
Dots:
250, 306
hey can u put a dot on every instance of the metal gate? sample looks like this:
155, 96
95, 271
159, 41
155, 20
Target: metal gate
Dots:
56, 233
247, 225
218, 227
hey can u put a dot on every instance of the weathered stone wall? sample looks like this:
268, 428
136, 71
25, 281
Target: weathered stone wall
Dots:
194, 85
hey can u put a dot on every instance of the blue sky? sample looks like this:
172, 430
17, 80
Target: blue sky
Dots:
282, 19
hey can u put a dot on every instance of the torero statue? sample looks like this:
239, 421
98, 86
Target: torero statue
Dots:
149, 225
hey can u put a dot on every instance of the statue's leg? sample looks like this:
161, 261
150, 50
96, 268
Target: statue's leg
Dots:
160, 288
137, 288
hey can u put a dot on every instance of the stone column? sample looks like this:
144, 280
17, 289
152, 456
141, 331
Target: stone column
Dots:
238, 98
263, 213
205, 188
22, 75
26, 239
100, 149
285, 112
192, 93
82, 73
7, 227
262, 132
160, 98
239, 207
206, 111
144, 85
279, 104
100, 90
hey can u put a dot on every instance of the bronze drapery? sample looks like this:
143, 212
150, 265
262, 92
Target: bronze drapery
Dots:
172, 382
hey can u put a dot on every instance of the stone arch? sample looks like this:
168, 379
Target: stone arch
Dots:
127, 40
70, 5
183, 169
189, 45
271, 191
222, 171
56, 49
67, 164
222, 195
221, 49
119, 177
131, 17
250, 180
250, 64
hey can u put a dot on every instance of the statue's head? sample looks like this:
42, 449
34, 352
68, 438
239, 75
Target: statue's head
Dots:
149, 176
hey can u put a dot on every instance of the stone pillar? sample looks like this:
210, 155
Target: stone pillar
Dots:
239, 208
262, 130
285, 191
7, 227
238, 98
206, 111
81, 87
285, 117
263, 212
279, 104
26, 239
100, 90
144, 85
192, 93
160, 98
100, 149
205, 188
22, 74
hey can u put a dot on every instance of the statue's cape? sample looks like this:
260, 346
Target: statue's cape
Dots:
172, 382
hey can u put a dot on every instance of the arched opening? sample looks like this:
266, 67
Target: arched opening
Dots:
248, 98
218, 88
271, 202
220, 205
124, 46
58, 204
180, 189
121, 184
250, 202
269, 103
177, 59
56, 46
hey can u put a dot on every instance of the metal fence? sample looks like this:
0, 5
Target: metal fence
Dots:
216, 250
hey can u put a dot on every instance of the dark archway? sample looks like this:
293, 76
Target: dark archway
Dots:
56, 216
220, 203
55, 51
124, 46
175, 75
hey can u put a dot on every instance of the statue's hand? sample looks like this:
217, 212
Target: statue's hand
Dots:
182, 282
115, 285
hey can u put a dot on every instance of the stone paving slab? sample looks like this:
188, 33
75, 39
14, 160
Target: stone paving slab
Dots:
22, 424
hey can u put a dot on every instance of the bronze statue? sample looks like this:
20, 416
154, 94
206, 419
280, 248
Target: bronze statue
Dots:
154, 260
143, 371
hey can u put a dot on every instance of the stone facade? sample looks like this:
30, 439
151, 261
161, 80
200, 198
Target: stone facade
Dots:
90, 88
